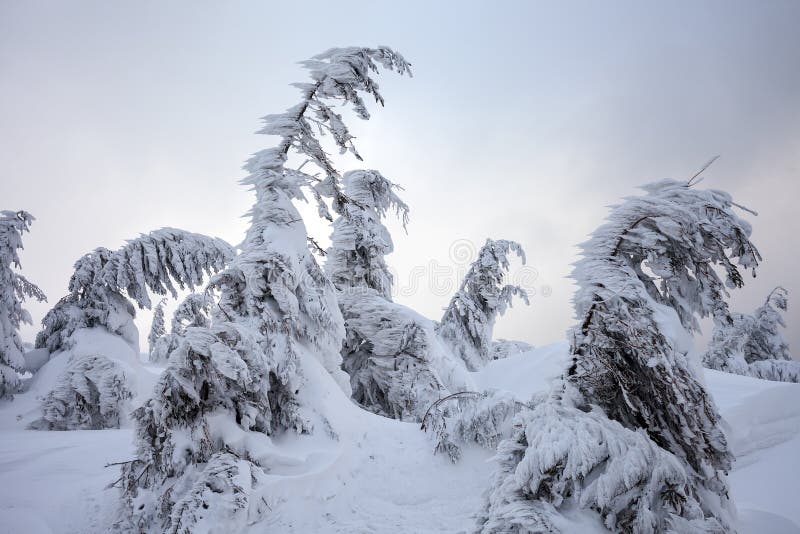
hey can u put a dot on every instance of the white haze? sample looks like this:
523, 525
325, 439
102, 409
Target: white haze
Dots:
523, 121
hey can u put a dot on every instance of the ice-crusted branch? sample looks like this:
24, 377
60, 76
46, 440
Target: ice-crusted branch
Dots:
469, 417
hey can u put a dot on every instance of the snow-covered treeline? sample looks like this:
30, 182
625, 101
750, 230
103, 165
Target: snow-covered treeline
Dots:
277, 371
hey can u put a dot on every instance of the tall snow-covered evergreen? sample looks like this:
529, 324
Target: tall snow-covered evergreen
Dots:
157, 328
630, 432
204, 438
14, 289
468, 321
753, 345
360, 241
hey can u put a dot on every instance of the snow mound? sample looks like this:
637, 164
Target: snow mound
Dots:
380, 475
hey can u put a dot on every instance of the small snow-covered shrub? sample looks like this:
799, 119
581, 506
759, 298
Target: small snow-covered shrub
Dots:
92, 393
503, 348
777, 370
562, 455
468, 321
766, 342
468, 417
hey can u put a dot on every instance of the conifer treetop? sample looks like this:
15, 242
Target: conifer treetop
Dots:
339, 74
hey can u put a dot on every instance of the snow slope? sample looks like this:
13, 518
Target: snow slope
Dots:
381, 475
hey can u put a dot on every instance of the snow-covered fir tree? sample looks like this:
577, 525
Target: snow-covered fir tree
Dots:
630, 432
753, 345
157, 327
204, 440
14, 289
94, 388
725, 351
766, 341
360, 241
386, 351
105, 280
388, 354
193, 311
92, 393
468, 321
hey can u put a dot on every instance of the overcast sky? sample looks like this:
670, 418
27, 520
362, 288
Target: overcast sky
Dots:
523, 120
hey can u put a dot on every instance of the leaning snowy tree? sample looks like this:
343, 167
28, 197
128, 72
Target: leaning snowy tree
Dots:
631, 433
753, 345
468, 321
14, 289
93, 390
766, 342
204, 440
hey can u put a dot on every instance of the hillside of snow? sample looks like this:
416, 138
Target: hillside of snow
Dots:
380, 475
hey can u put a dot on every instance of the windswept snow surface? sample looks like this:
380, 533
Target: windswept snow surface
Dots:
380, 475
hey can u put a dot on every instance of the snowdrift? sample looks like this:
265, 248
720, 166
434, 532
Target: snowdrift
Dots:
378, 475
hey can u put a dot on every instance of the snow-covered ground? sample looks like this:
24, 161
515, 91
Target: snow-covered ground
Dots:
381, 476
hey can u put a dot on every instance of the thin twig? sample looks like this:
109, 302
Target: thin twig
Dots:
691, 181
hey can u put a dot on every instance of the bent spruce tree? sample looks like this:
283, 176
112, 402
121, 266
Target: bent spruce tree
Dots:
468, 320
630, 433
753, 345
204, 440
